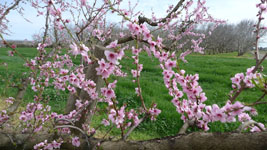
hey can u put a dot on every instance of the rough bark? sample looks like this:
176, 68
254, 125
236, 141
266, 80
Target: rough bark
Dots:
192, 141
198, 141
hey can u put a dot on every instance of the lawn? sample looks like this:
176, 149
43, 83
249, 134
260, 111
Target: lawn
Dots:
214, 71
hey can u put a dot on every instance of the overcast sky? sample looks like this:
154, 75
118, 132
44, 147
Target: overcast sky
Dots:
231, 10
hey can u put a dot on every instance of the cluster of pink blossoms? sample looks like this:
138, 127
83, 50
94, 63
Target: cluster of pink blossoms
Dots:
61, 72
3, 117
247, 79
35, 116
48, 146
118, 116
112, 66
193, 109
121, 118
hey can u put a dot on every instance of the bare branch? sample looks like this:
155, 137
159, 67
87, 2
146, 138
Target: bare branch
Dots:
46, 25
8, 10
150, 22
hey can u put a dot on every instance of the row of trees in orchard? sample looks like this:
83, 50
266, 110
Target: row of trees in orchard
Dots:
226, 37
94, 79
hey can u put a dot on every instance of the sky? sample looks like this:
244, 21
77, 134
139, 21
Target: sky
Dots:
232, 11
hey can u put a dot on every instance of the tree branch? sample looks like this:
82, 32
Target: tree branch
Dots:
46, 25
8, 10
142, 19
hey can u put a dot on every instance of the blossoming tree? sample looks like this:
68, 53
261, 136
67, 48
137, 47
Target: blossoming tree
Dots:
101, 51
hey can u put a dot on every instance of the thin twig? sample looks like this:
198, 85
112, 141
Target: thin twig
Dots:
133, 127
107, 132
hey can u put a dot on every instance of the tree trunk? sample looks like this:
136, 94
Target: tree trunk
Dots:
192, 141
90, 73
21, 92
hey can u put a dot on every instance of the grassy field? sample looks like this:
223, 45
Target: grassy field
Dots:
214, 71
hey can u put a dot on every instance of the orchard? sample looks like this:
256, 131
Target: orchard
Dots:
80, 53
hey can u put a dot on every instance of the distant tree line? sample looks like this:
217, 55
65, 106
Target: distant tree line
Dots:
229, 37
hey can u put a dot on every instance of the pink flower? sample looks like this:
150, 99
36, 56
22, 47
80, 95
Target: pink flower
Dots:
256, 129
136, 51
202, 97
134, 73
105, 69
170, 64
38, 129
78, 104
13, 46
74, 49
249, 70
243, 117
105, 122
10, 100
182, 56
23, 118
137, 91
134, 28
152, 44
75, 141
159, 41
121, 35
237, 108
10, 53
113, 44
262, 7
56, 144
218, 114
147, 36
39, 145
154, 112
111, 56
110, 93
84, 48
83, 2
147, 50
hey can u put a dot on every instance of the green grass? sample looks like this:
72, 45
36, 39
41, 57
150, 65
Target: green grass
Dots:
214, 71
